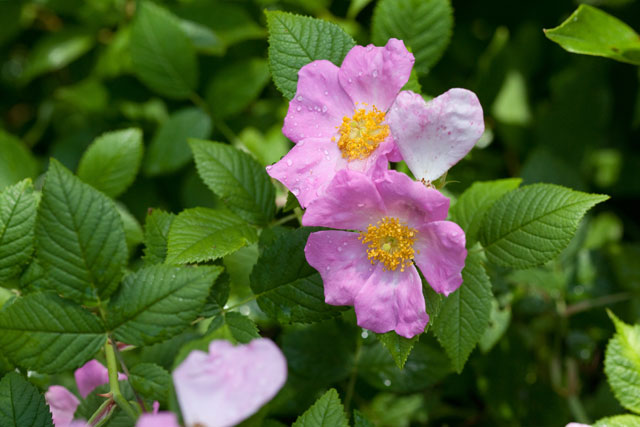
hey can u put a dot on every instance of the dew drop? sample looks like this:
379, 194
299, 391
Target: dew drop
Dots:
339, 249
387, 382
344, 243
300, 98
364, 334
324, 108
370, 47
326, 152
299, 108
301, 143
359, 73
296, 191
360, 205
375, 73
326, 93
350, 81
268, 168
328, 268
289, 162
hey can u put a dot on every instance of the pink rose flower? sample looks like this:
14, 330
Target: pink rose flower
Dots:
228, 384
158, 419
399, 222
433, 136
91, 375
62, 404
338, 118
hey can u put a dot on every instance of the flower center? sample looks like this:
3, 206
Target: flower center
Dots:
390, 242
361, 133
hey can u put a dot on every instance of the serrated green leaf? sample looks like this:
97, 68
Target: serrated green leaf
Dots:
234, 87
531, 225
79, 237
359, 420
590, 31
622, 364
133, 233
151, 380
169, 150
202, 234
218, 296
288, 288
21, 404
399, 347
241, 183
327, 411
465, 313
18, 208
473, 204
234, 327
111, 162
163, 56
499, 321
16, 161
156, 236
295, 41
626, 420
425, 26
46, 333
203, 38
158, 302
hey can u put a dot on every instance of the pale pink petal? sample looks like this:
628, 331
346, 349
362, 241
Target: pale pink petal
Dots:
341, 259
63, 405
319, 105
374, 75
159, 419
392, 301
91, 375
434, 136
228, 384
410, 200
308, 168
577, 425
441, 252
350, 202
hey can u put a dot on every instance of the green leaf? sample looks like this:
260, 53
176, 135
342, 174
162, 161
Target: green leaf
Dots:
234, 87
155, 303
169, 150
499, 321
133, 233
288, 288
626, 420
465, 313
590, 31
57, 50
79, 237
399, 347
622, 364
234, 176
18, 207
163, 56
21, 404
359, 420
151, 380
16, 161
531, 225
473, 204
218, 296
295, 41
203, 38
234, 327
327, 411
425, 26
202, 234
48, 334
111, 162
156, 236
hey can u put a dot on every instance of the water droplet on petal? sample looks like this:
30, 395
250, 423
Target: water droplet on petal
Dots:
375, 73
268, 168
339, 249
370, 47
360, 205
296, 191
324, 108
300, 98
301, 143
326, 93
328, 268
289, 162
359, 73
344, 243
350, 81
299, 108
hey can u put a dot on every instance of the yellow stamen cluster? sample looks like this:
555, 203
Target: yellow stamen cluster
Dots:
361, 133
390, 242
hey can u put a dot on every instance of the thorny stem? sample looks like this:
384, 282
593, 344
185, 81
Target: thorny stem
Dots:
99, 412
112, 366
126, 372
354, 374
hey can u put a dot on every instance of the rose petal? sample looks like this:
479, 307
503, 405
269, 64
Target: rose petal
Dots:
374, 75
341, 259
319, 105
350, 202
410, 200
91, 375
159, 419
441, 247
434, 136
228, 384
62, 404
392, 300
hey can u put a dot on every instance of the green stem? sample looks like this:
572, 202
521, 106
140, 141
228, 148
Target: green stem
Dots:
285, 219
577, 410
352, 380
112, 366
596, 302
219, 124
99, 412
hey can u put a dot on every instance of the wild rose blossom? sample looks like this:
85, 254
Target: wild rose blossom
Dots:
399, 222
228, 384
433, 136
338, 118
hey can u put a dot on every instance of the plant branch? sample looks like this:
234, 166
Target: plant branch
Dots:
596, 302
112, 366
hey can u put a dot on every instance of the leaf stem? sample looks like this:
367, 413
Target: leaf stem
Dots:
596, 302
285, 219
112, 366
219, 124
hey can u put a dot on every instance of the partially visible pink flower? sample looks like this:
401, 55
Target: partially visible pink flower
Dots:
91, 375
63, 405
577, 425
228, 384
158, 419
399, 222
433, 136
338, 118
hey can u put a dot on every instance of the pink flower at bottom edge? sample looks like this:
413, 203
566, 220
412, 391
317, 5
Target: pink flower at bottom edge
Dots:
63, 405
338, 118
158, 419
230, 383
91, 375
399, 222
